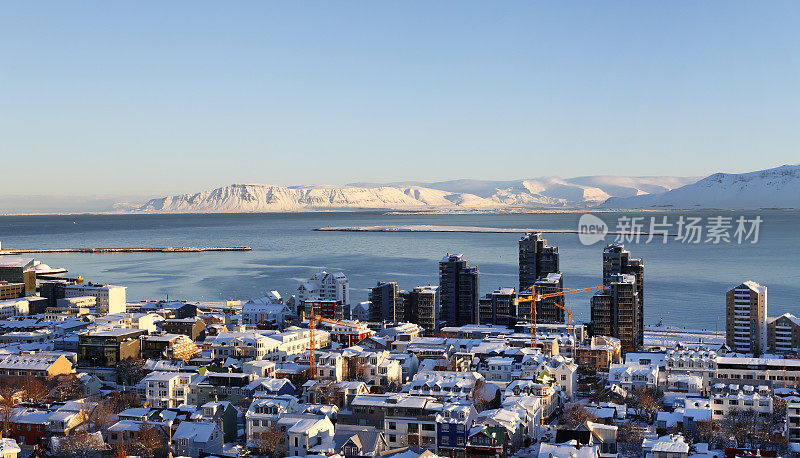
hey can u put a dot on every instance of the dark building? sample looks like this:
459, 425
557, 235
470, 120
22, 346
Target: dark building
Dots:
421, 306
107, 348
536, 260
498, 308
18, 270
550, 309
458, 287
615, 311
385, 303
53, 290
194, 328
617, 260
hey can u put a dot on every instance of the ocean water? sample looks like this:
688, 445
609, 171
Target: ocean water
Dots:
685, 284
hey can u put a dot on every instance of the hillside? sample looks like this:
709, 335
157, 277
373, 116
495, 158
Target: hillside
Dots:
772, 188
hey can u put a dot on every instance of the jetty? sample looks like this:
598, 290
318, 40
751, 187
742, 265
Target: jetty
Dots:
162, 249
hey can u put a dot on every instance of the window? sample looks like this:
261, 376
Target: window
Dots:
392, 425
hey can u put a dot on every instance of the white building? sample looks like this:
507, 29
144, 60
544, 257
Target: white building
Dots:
728, 398
783, 373
325, 287
167, 389
110, 298
633, 376
266, 309
244, 345
13, 307
793, 426
264, 413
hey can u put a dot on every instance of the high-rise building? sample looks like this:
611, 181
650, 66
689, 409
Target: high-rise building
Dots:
549, 310
498, 307
615, 311
458, 288
617, 260
386, 303
746, 318
421, 306
536, 260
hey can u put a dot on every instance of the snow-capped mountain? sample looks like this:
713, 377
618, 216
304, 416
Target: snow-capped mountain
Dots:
538, 193
772, 188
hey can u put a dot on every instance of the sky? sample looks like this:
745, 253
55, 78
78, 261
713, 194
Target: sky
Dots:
155, 98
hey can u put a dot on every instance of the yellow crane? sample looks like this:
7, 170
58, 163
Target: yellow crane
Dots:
536, 297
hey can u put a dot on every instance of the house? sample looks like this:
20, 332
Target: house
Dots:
306, 433
9, 448
28, 426
488, 442
357, 442
224, 414
35, 365
453, 424
669, 446
633, 376
568, 450
264, 413
197, 438
265, 387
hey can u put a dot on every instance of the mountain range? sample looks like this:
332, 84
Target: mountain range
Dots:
773, 188
537, 193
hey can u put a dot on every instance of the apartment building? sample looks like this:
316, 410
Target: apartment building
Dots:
746, 318
386, 304
615, 311
498, 308
727, 398
422, 307
325, 286
783, 334
458, 287
776, 372
617, 260
536, 260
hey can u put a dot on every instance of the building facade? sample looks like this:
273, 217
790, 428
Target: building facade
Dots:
458, 287
536, 260
746, 318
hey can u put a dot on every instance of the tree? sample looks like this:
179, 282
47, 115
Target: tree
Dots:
647, 403
117, 401
66, 387
575, 414
130, 371
150, 442
35, 389
8, 403
122, 449
81, 444
270, 442
629, 440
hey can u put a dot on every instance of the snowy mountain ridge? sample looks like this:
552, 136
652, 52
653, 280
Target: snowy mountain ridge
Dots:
778, 187
536, 193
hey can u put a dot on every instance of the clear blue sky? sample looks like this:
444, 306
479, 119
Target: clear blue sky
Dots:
150, 98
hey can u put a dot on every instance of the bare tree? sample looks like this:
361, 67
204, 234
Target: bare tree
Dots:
150, 442
130, 371
35, 389
647, 403
8, 404
81, 444
575, 414
629, 440
66, 387
270, 442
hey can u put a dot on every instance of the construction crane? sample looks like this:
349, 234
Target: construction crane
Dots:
536, 297
312, 325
